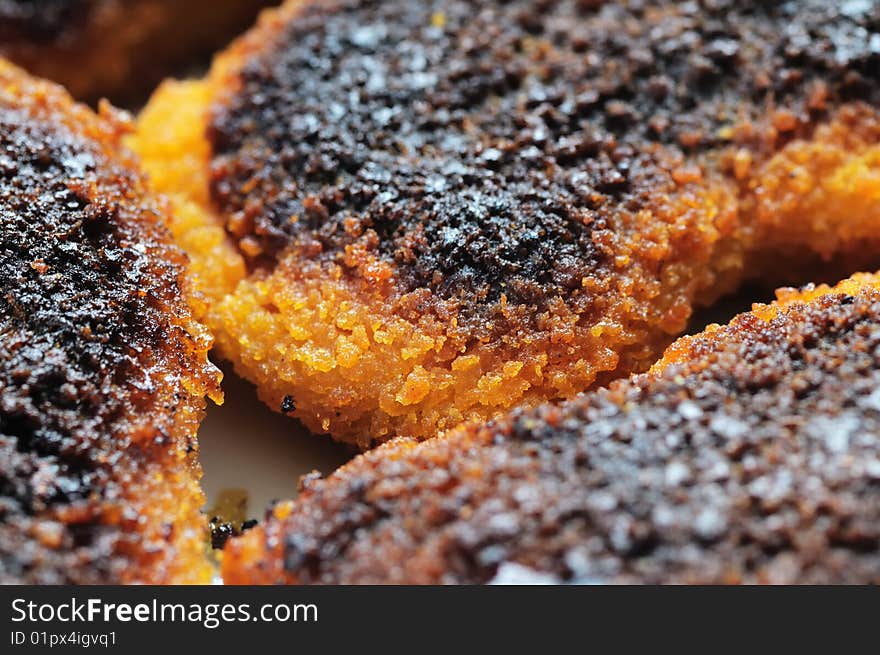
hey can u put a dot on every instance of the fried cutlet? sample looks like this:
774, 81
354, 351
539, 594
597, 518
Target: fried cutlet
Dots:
405, 215
750, 454
103, 370
117, 48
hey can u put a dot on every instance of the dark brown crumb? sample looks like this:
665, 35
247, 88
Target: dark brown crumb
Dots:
752, 456
222, 531
103, 371
288, 405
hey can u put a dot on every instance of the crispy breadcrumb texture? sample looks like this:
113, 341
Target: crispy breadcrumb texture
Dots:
103, 369
117, 49
521, 216
751, 454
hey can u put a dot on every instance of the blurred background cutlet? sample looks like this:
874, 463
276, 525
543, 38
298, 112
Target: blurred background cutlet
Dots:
118, 49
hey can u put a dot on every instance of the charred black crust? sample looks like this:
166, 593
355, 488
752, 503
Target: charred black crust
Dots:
756, 460
479, 146
87, 300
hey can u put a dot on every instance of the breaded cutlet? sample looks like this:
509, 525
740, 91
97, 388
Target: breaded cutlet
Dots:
103, 369
749, 454
118, 49
408, 215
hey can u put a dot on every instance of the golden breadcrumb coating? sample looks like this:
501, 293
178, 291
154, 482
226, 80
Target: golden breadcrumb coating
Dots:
750, 454
387, 250
103, 369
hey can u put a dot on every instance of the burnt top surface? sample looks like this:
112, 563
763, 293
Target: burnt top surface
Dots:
41, 20
484, 143
88, 295
756, 460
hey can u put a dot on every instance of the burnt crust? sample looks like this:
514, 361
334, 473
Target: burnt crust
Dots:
754, 459
484, 149
100, 360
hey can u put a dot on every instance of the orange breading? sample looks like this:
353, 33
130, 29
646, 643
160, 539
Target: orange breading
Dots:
750, 454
